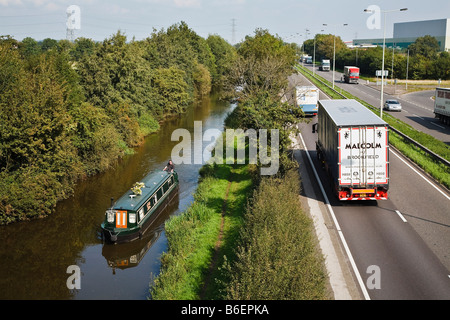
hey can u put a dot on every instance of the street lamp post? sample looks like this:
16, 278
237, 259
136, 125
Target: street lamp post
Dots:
314, 55
382, 63
334, 47
407, 66
303, 44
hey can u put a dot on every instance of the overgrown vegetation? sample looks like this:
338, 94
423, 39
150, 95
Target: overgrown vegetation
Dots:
277, 257
69, 110
267, 247
193, 235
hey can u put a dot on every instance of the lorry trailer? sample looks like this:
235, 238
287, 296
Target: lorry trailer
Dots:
353, 147
442, 105
306, 99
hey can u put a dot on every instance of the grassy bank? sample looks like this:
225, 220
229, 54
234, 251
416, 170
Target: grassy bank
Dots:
236, 243
246, 236
437, 170
186, 271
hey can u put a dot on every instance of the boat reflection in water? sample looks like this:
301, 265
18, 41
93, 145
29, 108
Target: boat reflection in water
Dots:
130, 254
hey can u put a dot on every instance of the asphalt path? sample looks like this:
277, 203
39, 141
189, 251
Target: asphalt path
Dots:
400, 246
417, 107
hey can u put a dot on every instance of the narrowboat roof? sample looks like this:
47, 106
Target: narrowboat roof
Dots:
152, 182
349, 112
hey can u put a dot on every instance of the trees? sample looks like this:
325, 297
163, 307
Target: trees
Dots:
29, 47
325, 44
225, 57
171, 96
82, 47
38, 162
426, 46
260, 74
72, 109
441, 66
426, 62
182, 48
263, 65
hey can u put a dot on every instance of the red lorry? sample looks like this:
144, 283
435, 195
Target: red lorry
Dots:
351, 74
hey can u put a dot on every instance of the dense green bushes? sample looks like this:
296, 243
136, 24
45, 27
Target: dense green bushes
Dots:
267, 249
68, 110
277, 257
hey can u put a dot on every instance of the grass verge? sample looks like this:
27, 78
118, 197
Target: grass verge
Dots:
192, 236
267, 250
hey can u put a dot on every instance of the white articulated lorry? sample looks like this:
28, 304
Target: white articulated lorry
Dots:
442, 105
353, 147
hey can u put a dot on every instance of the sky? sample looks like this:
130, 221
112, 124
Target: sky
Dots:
289, 19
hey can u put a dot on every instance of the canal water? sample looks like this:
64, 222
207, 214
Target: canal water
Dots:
35, 255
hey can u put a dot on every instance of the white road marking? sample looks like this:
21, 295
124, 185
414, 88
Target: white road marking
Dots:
437, 125
338, 228
400, 215
432, 184
418, 116
335, 272
415, 104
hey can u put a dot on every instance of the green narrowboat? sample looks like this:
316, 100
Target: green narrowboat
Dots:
134, 212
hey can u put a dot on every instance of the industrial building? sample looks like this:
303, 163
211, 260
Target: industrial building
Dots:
406, 33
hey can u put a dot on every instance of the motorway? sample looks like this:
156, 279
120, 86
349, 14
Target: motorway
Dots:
393, 249
417, 107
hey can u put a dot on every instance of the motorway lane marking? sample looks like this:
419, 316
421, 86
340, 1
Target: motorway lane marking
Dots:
335, 272
423, 177
338, 228
433, 123
388, 95
400, 215
437, 125
415, 104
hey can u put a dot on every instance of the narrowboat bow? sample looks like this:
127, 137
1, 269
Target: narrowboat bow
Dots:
134, 212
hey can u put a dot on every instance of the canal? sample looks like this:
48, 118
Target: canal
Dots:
35, 255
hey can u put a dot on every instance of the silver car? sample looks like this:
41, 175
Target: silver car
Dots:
392, 105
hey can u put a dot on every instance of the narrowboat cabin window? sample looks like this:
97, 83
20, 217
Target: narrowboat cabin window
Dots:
159, 194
